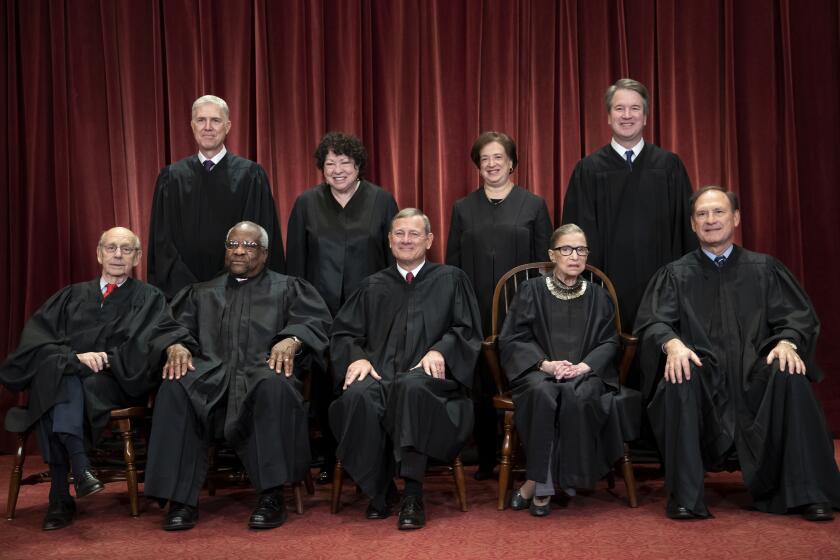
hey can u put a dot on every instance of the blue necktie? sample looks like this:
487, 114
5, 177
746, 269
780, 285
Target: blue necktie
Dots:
720, 261
208, 164
629, 155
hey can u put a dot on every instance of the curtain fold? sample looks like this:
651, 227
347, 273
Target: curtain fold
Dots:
97, 98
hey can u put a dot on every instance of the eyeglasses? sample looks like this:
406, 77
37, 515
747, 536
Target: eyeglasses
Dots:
703, 215
566, 250
124, 249
412, 235
250, 246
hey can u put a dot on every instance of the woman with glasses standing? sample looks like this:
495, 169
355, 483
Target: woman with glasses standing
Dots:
495, 228
558, 348
338, 236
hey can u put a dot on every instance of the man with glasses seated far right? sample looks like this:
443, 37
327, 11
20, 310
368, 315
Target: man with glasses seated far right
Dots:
727, 340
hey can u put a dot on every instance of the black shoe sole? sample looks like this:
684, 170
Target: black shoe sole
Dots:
410, 526
179, 526
90, 491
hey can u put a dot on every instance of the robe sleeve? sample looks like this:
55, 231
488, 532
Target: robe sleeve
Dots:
604, 338
453, 242
262, 210
461, 343
348, 338
683, 238
657, 322
165, 268
542, 232
391, 210
791, 316
579, 208
296, 242
307, 318
518, 347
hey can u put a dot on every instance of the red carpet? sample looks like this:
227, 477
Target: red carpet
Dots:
596, 525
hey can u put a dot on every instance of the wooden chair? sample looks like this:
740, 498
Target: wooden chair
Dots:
456, 469
123, 422
503, 296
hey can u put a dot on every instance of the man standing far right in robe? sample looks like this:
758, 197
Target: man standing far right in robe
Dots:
630, 198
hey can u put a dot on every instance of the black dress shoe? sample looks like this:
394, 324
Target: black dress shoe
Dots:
269, 513
86, 484
818, 512
412, 515
518, 501
678, 512
373, 512
181, 517
540, 511
60, 514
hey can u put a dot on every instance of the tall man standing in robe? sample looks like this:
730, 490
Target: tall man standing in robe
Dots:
91, 347
238, 379
198, 198
404, 346
735, 336
630, 198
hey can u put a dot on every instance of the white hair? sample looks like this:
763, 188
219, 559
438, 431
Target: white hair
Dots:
211, 100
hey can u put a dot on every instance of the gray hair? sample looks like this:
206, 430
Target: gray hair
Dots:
258, 227
137, 246
733, 198
626, 83
565, 229
412, 213
211, 100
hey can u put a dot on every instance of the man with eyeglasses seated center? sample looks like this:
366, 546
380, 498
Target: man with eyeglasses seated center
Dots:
238, 379
92, 347
735, 334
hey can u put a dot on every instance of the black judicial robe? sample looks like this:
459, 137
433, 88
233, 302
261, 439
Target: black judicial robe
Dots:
133, 325
731, 318
578, 418
335, 247
192, 211
235, 324
635, 222
393, 324
486, 240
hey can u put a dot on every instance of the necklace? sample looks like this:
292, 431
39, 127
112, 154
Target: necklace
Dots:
561, 291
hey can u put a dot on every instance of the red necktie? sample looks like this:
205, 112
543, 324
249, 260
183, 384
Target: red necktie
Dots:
409, 277
108, 289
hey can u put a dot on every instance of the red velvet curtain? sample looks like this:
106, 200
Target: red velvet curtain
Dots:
97, 99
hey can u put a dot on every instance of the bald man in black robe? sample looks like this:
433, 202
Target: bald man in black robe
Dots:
92, 347
238, 380
735, 334
404, 347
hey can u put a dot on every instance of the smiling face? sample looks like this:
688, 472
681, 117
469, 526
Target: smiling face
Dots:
409, 241
210, 126
627, 117
340, 172
714, 222
245, 261
568, 267
494, 165
118, 253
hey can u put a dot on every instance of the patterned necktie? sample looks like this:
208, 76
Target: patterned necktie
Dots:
409, 277
108, 289
720, 261
208, 164
629, 155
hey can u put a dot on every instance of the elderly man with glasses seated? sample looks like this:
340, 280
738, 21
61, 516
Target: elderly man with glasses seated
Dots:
237, 379
90, 348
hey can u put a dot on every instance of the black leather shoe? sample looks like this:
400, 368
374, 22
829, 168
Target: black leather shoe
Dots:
373, 512
181, 517
678, 512
269, 513
412, 515
517, 501
86, 484
818, 512
540, 511
60, 514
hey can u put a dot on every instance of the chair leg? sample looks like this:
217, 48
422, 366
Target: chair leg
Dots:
310, 485
460, 483
17, 474
629, 477
338, 480
124, 428
298, 487
505, 465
